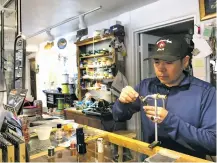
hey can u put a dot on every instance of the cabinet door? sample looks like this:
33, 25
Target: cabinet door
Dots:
84, 120
96, 123
73, 116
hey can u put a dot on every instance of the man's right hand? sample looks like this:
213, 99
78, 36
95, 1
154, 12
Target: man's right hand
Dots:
128, 95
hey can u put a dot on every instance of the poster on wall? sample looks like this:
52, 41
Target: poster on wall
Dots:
207, 9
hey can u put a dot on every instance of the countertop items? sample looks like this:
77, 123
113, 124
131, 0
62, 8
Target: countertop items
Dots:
111, 151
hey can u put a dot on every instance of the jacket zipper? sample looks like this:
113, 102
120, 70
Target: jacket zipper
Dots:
168, 92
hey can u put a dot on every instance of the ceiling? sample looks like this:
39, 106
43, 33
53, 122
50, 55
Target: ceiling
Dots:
40, 14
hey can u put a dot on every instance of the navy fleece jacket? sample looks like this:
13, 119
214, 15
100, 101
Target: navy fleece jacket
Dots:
189, 127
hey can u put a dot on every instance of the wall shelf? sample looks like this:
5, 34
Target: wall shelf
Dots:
94, 40
91, 88
104, 79
88, 82
96, 67
96, 55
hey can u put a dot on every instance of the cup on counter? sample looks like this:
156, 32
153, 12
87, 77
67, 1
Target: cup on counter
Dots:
43, 132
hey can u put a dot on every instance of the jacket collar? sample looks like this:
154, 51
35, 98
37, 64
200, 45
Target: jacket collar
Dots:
185, 82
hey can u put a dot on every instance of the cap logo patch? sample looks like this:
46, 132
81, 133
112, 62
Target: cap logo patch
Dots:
162, 43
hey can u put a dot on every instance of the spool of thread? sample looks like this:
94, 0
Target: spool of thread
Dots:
51, 151
100, 147
73, 148
60, 104
65, 88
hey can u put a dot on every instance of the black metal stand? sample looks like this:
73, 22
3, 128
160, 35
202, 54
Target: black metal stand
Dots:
154, 144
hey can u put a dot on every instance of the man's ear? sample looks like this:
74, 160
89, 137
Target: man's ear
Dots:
186, 61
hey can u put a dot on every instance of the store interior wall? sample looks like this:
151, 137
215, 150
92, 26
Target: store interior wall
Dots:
51, 66
149, 15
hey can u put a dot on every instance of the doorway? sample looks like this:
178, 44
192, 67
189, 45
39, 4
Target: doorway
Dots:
33, 78
148, 39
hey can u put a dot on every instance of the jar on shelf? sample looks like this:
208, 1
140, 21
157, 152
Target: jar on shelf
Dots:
59, 133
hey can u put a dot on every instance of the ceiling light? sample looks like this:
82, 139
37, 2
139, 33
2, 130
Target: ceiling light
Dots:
50, 36
82, 24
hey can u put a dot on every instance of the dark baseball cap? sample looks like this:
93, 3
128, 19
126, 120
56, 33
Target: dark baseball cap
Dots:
170, 48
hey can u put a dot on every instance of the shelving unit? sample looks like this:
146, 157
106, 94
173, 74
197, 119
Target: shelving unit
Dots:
94, 40
95, 67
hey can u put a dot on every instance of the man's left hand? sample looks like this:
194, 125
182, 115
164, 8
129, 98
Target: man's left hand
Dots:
150, 113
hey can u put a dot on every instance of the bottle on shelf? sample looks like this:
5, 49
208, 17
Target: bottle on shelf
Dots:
59, 133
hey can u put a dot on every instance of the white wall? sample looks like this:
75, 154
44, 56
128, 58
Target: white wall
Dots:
51, 68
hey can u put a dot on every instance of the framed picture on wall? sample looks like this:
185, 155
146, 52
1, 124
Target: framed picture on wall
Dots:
207, 9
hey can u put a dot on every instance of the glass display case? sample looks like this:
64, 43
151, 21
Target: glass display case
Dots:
104, 146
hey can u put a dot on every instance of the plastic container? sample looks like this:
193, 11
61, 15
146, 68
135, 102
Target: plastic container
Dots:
100, 147
65, 78
65, 88
59, 132
43, 132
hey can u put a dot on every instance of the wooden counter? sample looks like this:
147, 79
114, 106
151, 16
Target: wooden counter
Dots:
107, 124
114, 139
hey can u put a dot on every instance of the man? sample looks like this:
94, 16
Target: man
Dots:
187, 124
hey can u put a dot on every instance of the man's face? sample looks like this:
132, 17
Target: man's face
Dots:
169, 72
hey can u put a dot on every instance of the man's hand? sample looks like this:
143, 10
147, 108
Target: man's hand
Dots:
128, 95
150, 113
